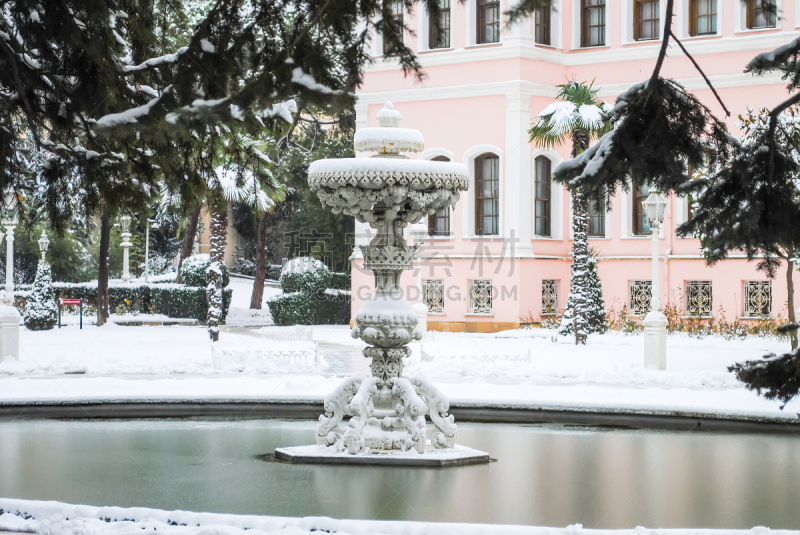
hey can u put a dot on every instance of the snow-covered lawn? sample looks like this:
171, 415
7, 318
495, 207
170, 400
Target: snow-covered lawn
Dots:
116, 363
29, 516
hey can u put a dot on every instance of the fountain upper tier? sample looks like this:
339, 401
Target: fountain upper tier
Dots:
388, 185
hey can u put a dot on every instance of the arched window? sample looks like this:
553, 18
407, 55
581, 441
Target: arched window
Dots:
542, 204
439, 225
487, 195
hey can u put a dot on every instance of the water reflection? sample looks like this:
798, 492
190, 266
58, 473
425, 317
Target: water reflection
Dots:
544, 475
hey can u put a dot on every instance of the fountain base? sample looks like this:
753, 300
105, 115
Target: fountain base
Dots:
431, 457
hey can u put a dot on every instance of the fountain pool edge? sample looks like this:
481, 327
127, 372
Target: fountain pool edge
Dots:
308, 410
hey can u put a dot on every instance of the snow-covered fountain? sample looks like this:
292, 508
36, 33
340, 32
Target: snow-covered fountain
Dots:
387, 411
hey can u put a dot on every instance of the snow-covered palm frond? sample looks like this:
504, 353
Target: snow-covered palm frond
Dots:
243, 186
169, 198
591, 116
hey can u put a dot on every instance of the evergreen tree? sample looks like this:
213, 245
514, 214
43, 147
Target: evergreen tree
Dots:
41, 313
595, 313
579, 117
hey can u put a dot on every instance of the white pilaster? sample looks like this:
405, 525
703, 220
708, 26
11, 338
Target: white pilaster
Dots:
516, 192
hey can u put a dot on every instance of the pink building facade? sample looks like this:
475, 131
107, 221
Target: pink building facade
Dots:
503, 253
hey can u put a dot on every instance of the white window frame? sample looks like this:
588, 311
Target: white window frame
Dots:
472, 24
576, 27
557, 196
556, 22
423, 40
628, 18
740, 19
683, 23
467, 200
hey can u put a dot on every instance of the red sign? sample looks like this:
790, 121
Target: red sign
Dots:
70, 301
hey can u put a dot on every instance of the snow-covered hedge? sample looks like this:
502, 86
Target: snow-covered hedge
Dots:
173, 300
331, 308
194, 268
305, 274
184, 302
306, 299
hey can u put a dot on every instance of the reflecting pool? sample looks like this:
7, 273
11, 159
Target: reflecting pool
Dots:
544, 475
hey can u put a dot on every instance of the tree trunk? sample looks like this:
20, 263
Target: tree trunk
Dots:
102, 272
188, 240
790, 301
261, 264
580, 260
214, 280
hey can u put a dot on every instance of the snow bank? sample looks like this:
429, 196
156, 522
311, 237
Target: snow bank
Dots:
54, 517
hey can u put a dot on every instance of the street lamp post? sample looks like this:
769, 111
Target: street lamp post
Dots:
9, 315
43, 244
147, 248
10, 225
655, 323
125, 222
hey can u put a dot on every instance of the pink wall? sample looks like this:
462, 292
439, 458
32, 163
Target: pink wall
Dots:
479, 84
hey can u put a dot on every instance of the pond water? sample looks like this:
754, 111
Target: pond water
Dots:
544, 475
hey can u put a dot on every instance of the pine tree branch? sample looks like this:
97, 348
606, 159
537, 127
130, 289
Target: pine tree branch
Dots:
664, 43
21, 90
773, 123
696, 66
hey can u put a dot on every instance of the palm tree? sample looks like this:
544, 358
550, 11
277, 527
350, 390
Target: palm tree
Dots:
578, 116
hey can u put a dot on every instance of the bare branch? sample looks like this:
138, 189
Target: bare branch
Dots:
696, 66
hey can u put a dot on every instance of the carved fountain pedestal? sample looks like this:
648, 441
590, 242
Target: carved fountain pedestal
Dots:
387, 411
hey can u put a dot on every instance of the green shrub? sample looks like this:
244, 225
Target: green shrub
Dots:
340, 281
41, 313
299, 308
273, 272
184, 302
193, 271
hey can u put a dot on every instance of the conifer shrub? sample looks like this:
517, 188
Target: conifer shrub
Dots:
41, 312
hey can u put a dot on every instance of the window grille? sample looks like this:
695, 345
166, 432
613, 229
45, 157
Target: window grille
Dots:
549, 297
641, 294
757, 298
699, 300
480, 296
433, 294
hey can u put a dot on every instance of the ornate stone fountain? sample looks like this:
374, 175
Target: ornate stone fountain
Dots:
387, 411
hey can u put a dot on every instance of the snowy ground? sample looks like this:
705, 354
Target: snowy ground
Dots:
115, 363
29, 516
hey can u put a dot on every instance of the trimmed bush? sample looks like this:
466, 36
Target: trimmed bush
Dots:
332, 308
194, 268
273, 272
340, 281
185, 302
306, 275
173, 300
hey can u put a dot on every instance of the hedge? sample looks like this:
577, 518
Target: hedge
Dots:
340, 281
331, 308
172, 300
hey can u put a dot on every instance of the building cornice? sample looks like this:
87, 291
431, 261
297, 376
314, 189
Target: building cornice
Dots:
523, 89
525, 48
